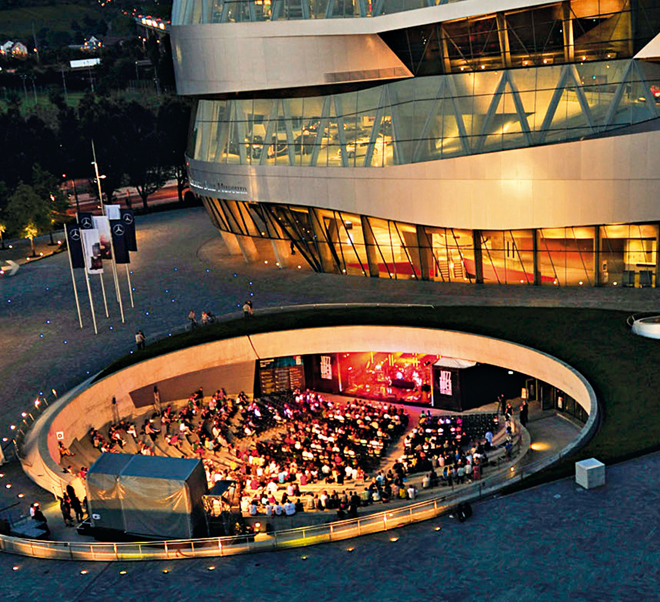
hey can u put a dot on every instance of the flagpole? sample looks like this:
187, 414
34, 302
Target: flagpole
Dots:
112, 246
73, 280
91, 301
130, 286
105, 301
89, 288
114, 274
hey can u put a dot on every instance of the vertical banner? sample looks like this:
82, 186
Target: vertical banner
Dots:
445, 382
92, 250
326, 367
113, 212
119, 241
102, 224
72, 234
129, 223
75, 246
86, 221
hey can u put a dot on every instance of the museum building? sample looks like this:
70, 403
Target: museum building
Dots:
499, 141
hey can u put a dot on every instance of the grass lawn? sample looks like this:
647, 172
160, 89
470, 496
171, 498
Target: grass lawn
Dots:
28, 104
623, 368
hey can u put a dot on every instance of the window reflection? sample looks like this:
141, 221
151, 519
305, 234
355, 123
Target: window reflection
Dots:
346, 243
427, 119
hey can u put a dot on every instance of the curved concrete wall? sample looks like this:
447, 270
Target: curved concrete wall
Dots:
210, 65
219, 58
90, 405
600, 181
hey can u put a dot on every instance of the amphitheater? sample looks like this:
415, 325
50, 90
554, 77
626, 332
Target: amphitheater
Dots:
231, 363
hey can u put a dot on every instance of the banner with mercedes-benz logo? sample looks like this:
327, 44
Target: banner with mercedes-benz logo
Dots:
86, 221
75, 245
119, 241
128, 220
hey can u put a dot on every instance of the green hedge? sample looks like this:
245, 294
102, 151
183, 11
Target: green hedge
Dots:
622, 368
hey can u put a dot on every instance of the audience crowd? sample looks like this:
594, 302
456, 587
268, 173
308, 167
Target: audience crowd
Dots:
302, 451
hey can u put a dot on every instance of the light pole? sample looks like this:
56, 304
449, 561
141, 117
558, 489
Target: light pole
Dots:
75, 192
66, 95
24, 77
112, 246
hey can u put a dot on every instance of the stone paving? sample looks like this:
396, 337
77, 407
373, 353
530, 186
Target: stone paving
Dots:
555, 542
550, 543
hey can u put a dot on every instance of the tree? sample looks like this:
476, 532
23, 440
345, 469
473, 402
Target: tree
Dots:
173, 125
28, 214
104, 122
144, 169
26, 142
47, 186
30, 230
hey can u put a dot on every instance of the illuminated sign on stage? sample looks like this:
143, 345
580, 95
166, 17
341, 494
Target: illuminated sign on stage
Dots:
326, 367
281, 374
445, 382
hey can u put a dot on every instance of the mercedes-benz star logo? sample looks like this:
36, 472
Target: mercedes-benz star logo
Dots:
86, 223
128, 218
118, 230
75, 234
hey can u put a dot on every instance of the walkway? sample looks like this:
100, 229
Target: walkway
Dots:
553, 542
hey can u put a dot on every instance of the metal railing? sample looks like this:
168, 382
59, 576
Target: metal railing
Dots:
261, 542
289, 538
28, 419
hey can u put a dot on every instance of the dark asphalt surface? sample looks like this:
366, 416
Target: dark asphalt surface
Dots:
555, 542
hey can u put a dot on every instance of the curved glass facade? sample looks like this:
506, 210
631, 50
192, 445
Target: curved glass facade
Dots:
191, 12
429, 118
347, 243
588, 16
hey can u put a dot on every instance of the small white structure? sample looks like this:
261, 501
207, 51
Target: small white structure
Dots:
13, 48
647, 327
590, 473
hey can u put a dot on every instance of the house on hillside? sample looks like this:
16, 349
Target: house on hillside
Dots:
92, 43
15, 49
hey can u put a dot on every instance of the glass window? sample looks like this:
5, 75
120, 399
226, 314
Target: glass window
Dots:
452, 254
628, 255
508, 257
566, 256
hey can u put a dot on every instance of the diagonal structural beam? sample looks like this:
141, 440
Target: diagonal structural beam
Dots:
553, 104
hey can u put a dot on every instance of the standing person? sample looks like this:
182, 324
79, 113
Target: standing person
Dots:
157, 400
509, 411
524, 412
76, 506
502, 402
193, 318
247, 309
140, 340
65, 509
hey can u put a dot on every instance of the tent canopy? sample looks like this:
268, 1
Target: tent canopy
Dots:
147, 495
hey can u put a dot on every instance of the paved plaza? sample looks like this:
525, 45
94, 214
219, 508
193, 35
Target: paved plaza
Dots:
555, 542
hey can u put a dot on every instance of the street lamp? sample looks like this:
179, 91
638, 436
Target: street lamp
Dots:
75, 192
98, 177
97, 180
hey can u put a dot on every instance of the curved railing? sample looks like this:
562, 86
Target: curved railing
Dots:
43, 468
262, 542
